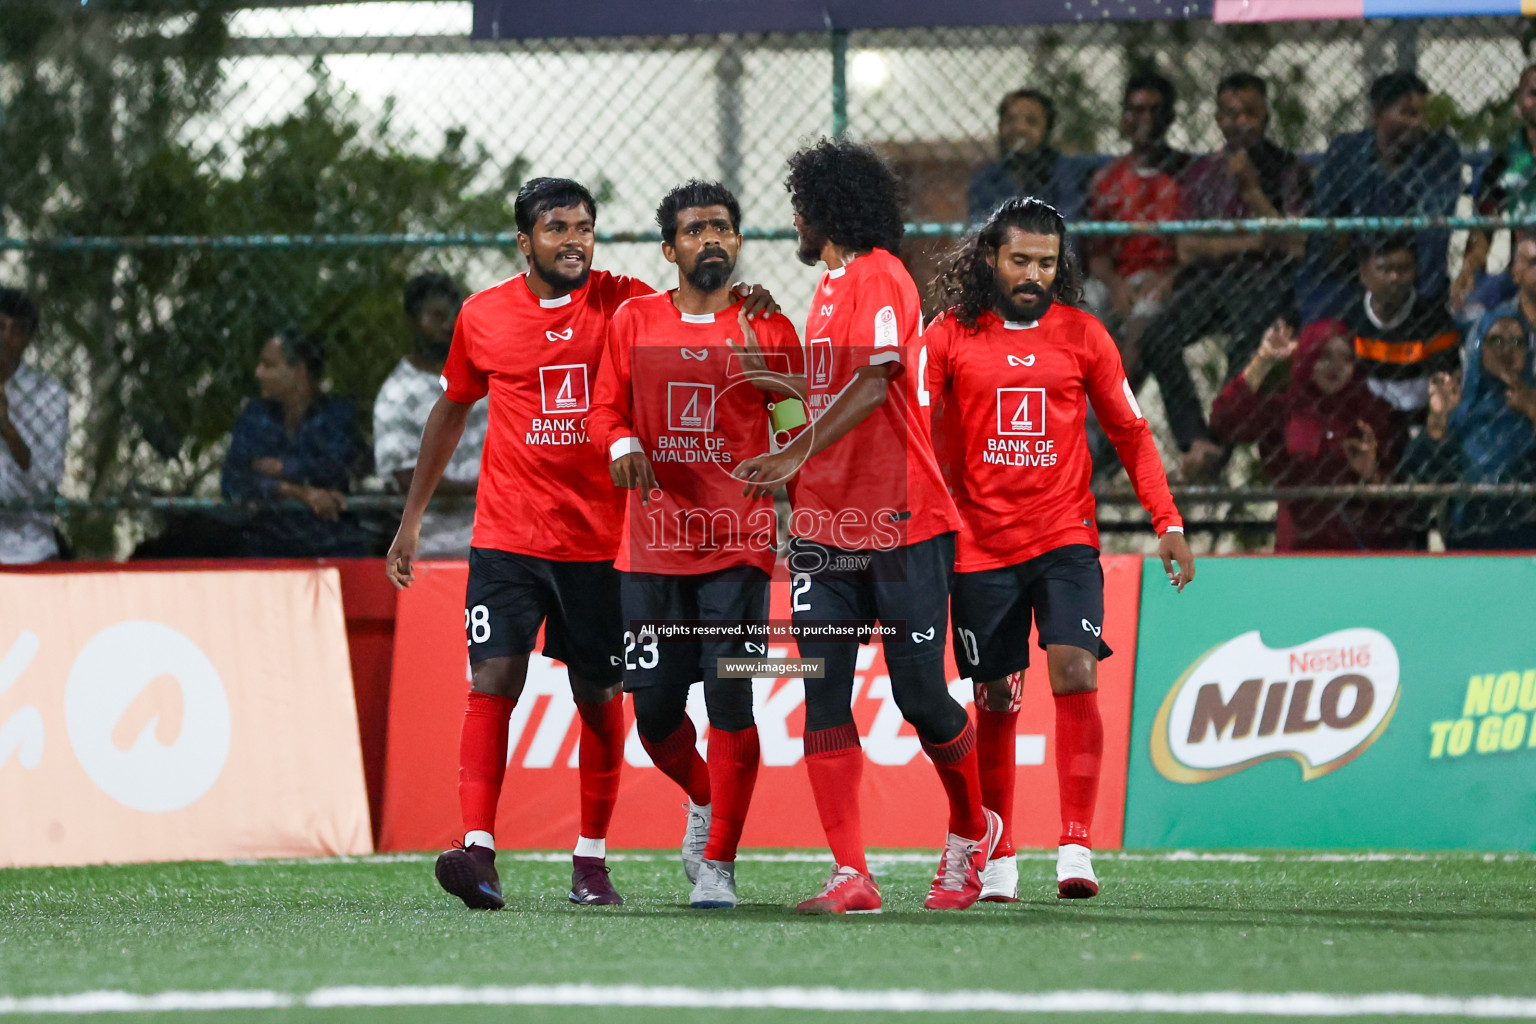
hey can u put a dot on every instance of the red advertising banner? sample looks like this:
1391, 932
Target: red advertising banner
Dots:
903, 800
176, 716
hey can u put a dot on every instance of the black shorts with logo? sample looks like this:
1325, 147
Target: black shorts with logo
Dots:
736, 596
511, 595
905, 587
1064, 591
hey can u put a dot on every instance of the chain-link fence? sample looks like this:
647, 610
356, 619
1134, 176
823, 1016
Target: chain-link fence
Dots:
184, 179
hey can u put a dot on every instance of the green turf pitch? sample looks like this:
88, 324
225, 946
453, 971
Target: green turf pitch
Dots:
1441, 924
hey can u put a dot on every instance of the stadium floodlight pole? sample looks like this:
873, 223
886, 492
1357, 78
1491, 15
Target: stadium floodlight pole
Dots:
839, 82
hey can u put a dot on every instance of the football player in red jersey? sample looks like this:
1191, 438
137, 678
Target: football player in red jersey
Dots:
873, 523
674, 412
547, 523
1016, 365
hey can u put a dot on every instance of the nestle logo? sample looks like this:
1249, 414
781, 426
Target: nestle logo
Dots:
1331, 659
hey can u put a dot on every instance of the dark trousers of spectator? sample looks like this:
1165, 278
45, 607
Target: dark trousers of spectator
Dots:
1239, 302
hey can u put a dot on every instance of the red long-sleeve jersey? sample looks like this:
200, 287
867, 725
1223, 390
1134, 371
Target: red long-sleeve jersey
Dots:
1015, 400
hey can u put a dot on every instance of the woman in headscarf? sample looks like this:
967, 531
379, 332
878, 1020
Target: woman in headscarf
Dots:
1325, 429
1483, 431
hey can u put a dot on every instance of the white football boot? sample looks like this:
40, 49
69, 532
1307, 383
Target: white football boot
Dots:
695, 838
1075, 879
1000, 880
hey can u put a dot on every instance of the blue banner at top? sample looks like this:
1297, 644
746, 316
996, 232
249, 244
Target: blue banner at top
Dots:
554, 19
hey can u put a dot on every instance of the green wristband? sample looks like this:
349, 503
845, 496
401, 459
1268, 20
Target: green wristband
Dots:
786, 415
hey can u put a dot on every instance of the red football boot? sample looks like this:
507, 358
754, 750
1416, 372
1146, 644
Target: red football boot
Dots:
958, 883
847, 892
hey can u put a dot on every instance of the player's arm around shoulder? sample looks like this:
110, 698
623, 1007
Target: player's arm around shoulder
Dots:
768, 353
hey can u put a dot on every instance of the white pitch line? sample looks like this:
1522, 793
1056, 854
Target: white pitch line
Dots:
922, 857
1277, 1004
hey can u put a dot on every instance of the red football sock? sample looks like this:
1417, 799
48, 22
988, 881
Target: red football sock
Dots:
955, 762
600, 758
1079, 749
733, 759
678, 759
483, 759
835, 763
996, 743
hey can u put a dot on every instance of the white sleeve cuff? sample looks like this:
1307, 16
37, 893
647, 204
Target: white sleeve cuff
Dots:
888, 355
624, 446
1174, 529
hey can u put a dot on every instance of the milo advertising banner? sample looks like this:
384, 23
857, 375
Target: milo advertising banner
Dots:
1337, 702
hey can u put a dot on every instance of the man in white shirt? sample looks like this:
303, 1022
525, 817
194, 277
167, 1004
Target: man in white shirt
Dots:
400, 414
34, 429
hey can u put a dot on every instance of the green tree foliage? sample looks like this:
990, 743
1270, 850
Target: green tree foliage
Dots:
156, 344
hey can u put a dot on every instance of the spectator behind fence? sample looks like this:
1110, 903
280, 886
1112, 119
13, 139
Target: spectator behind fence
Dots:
400, 415
1507, 188
1521, 305
296, 444
1324, 429
34, 428
1027, 165
1484, 433
1394, 168
1235, 285
1401, 336
1131, 274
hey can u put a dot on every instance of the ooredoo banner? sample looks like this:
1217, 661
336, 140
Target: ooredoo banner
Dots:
902, 799
1354, 702
176, 716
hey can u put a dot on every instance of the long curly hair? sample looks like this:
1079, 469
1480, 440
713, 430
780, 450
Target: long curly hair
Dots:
968, 279
846, 192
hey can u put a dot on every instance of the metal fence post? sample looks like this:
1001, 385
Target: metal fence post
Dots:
728, 75
839, 81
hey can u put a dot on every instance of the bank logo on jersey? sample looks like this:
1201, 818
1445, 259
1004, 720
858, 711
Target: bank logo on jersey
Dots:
690, 406
563, 388
821, 362
1021, 412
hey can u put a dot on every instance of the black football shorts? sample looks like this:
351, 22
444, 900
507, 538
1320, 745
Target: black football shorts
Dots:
511, 595
734, 599
1062, 589
905, 588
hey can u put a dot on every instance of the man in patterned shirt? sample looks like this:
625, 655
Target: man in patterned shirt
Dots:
400, 416
34, 428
